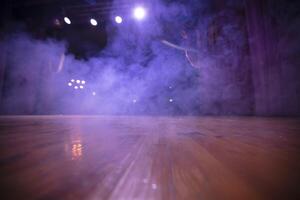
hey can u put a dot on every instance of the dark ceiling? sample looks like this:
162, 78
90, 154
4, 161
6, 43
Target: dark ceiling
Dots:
44, 19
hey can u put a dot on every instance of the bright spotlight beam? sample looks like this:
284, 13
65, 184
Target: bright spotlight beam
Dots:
67, 20
139, 13
93, 22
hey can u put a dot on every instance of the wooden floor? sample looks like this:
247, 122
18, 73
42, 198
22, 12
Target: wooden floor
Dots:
141, 158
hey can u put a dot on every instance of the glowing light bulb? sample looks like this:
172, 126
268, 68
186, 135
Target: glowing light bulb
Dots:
67, 20
118, 19
93, 22
139, 13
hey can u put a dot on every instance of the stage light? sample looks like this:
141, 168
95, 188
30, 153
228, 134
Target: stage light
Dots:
94, 93
118, 19
134, 101
67, 20
77, 84
139, 13
171, 100
93, 22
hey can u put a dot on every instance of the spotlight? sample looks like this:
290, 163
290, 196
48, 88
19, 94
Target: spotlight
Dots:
118, 19
94, 93
76, 87
83, 82
134, 101
81, 86
93, 22
78, 81
67, 20
171, 100
139, 13
72, 80
70, 84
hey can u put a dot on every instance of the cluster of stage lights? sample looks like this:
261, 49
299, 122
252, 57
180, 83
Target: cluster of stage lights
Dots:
139, 13
77, 84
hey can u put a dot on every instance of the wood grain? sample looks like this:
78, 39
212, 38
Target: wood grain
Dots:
101, 157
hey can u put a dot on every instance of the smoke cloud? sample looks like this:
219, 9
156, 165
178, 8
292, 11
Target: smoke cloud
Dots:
185, 58
134, 74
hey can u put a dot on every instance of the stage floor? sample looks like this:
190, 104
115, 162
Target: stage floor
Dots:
97, 157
